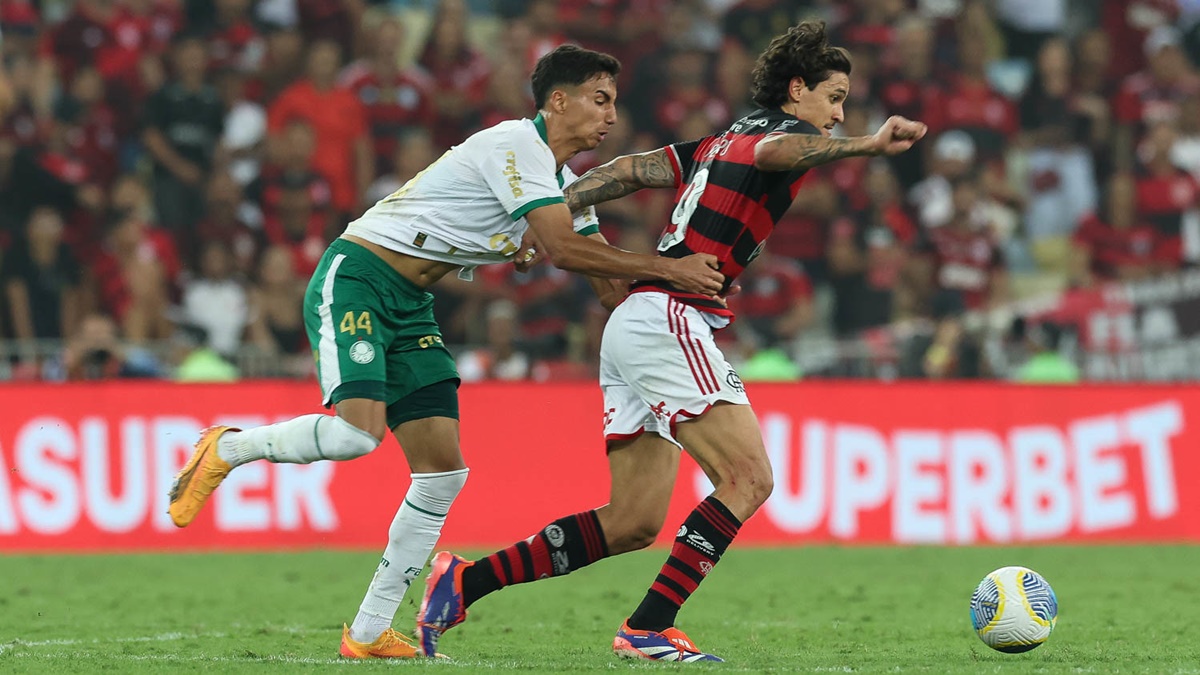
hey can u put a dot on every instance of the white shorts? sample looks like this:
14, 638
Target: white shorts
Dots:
659, 365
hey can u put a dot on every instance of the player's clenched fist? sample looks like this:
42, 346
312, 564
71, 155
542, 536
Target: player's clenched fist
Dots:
898, 134
529, 252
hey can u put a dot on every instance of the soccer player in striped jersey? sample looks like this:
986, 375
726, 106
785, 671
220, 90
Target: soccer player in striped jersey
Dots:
666, 385
380, 356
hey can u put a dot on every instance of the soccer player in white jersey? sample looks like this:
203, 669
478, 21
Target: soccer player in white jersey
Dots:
369, 316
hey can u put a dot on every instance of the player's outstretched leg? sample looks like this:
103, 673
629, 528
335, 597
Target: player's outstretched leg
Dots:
413, 534
454, 583
650, 633
726, 441
220, 449
199, 477
430, 443
643, 474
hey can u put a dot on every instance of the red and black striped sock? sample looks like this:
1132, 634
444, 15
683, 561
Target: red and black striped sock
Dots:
560, 548
701, 541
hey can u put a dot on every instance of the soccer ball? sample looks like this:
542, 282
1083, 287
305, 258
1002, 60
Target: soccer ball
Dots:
1013, 609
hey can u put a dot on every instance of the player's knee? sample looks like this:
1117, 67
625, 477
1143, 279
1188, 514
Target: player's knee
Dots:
750, 478
430, 495
760, 481
368, 419
375, 428
440, 487
338, 439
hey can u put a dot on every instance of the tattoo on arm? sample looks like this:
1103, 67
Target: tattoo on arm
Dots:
622, 176
601, 184
804, 151
653, 169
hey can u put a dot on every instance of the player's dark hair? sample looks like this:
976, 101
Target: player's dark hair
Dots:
569, 65
803, 51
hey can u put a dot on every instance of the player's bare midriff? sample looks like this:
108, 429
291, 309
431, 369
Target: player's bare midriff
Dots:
420, 271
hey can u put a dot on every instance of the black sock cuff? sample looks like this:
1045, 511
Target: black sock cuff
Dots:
594, 518
724, 511
713, 519
479, 580
582, 538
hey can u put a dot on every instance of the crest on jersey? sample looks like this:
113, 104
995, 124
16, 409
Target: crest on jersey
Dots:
362, 352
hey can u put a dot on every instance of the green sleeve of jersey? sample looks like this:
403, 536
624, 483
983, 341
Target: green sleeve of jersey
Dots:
589, 230
535, 204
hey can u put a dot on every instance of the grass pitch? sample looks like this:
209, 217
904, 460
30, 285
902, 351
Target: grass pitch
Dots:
1122, 609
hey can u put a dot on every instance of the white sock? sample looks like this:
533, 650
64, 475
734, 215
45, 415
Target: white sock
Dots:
301, 440
411, 538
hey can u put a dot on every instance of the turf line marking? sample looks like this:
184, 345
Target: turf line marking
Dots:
161, 637
296, 660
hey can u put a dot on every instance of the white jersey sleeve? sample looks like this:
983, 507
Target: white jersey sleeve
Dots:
585, 222
521, 173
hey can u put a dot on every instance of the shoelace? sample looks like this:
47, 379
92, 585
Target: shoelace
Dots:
392, 636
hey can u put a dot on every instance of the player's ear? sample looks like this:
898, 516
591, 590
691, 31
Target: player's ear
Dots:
796, 88
558, 101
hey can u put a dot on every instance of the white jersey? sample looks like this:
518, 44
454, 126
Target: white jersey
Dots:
469, 206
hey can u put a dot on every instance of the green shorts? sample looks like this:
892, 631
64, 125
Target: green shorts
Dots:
374, 336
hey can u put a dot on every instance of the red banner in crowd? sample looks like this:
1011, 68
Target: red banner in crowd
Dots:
87, 467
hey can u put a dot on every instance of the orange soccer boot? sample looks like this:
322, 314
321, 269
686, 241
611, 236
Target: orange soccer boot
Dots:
198, 478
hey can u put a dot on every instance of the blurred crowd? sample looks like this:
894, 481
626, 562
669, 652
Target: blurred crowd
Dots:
171, 170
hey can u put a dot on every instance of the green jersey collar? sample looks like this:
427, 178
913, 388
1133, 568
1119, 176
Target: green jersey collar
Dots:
539, 123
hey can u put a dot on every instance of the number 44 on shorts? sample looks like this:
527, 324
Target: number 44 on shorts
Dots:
352, 325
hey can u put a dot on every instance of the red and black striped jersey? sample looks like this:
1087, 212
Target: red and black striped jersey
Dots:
724, 205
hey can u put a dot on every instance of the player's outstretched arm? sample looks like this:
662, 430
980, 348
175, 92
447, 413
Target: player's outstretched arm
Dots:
622, 176
795, 152
566, 250
610, 291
